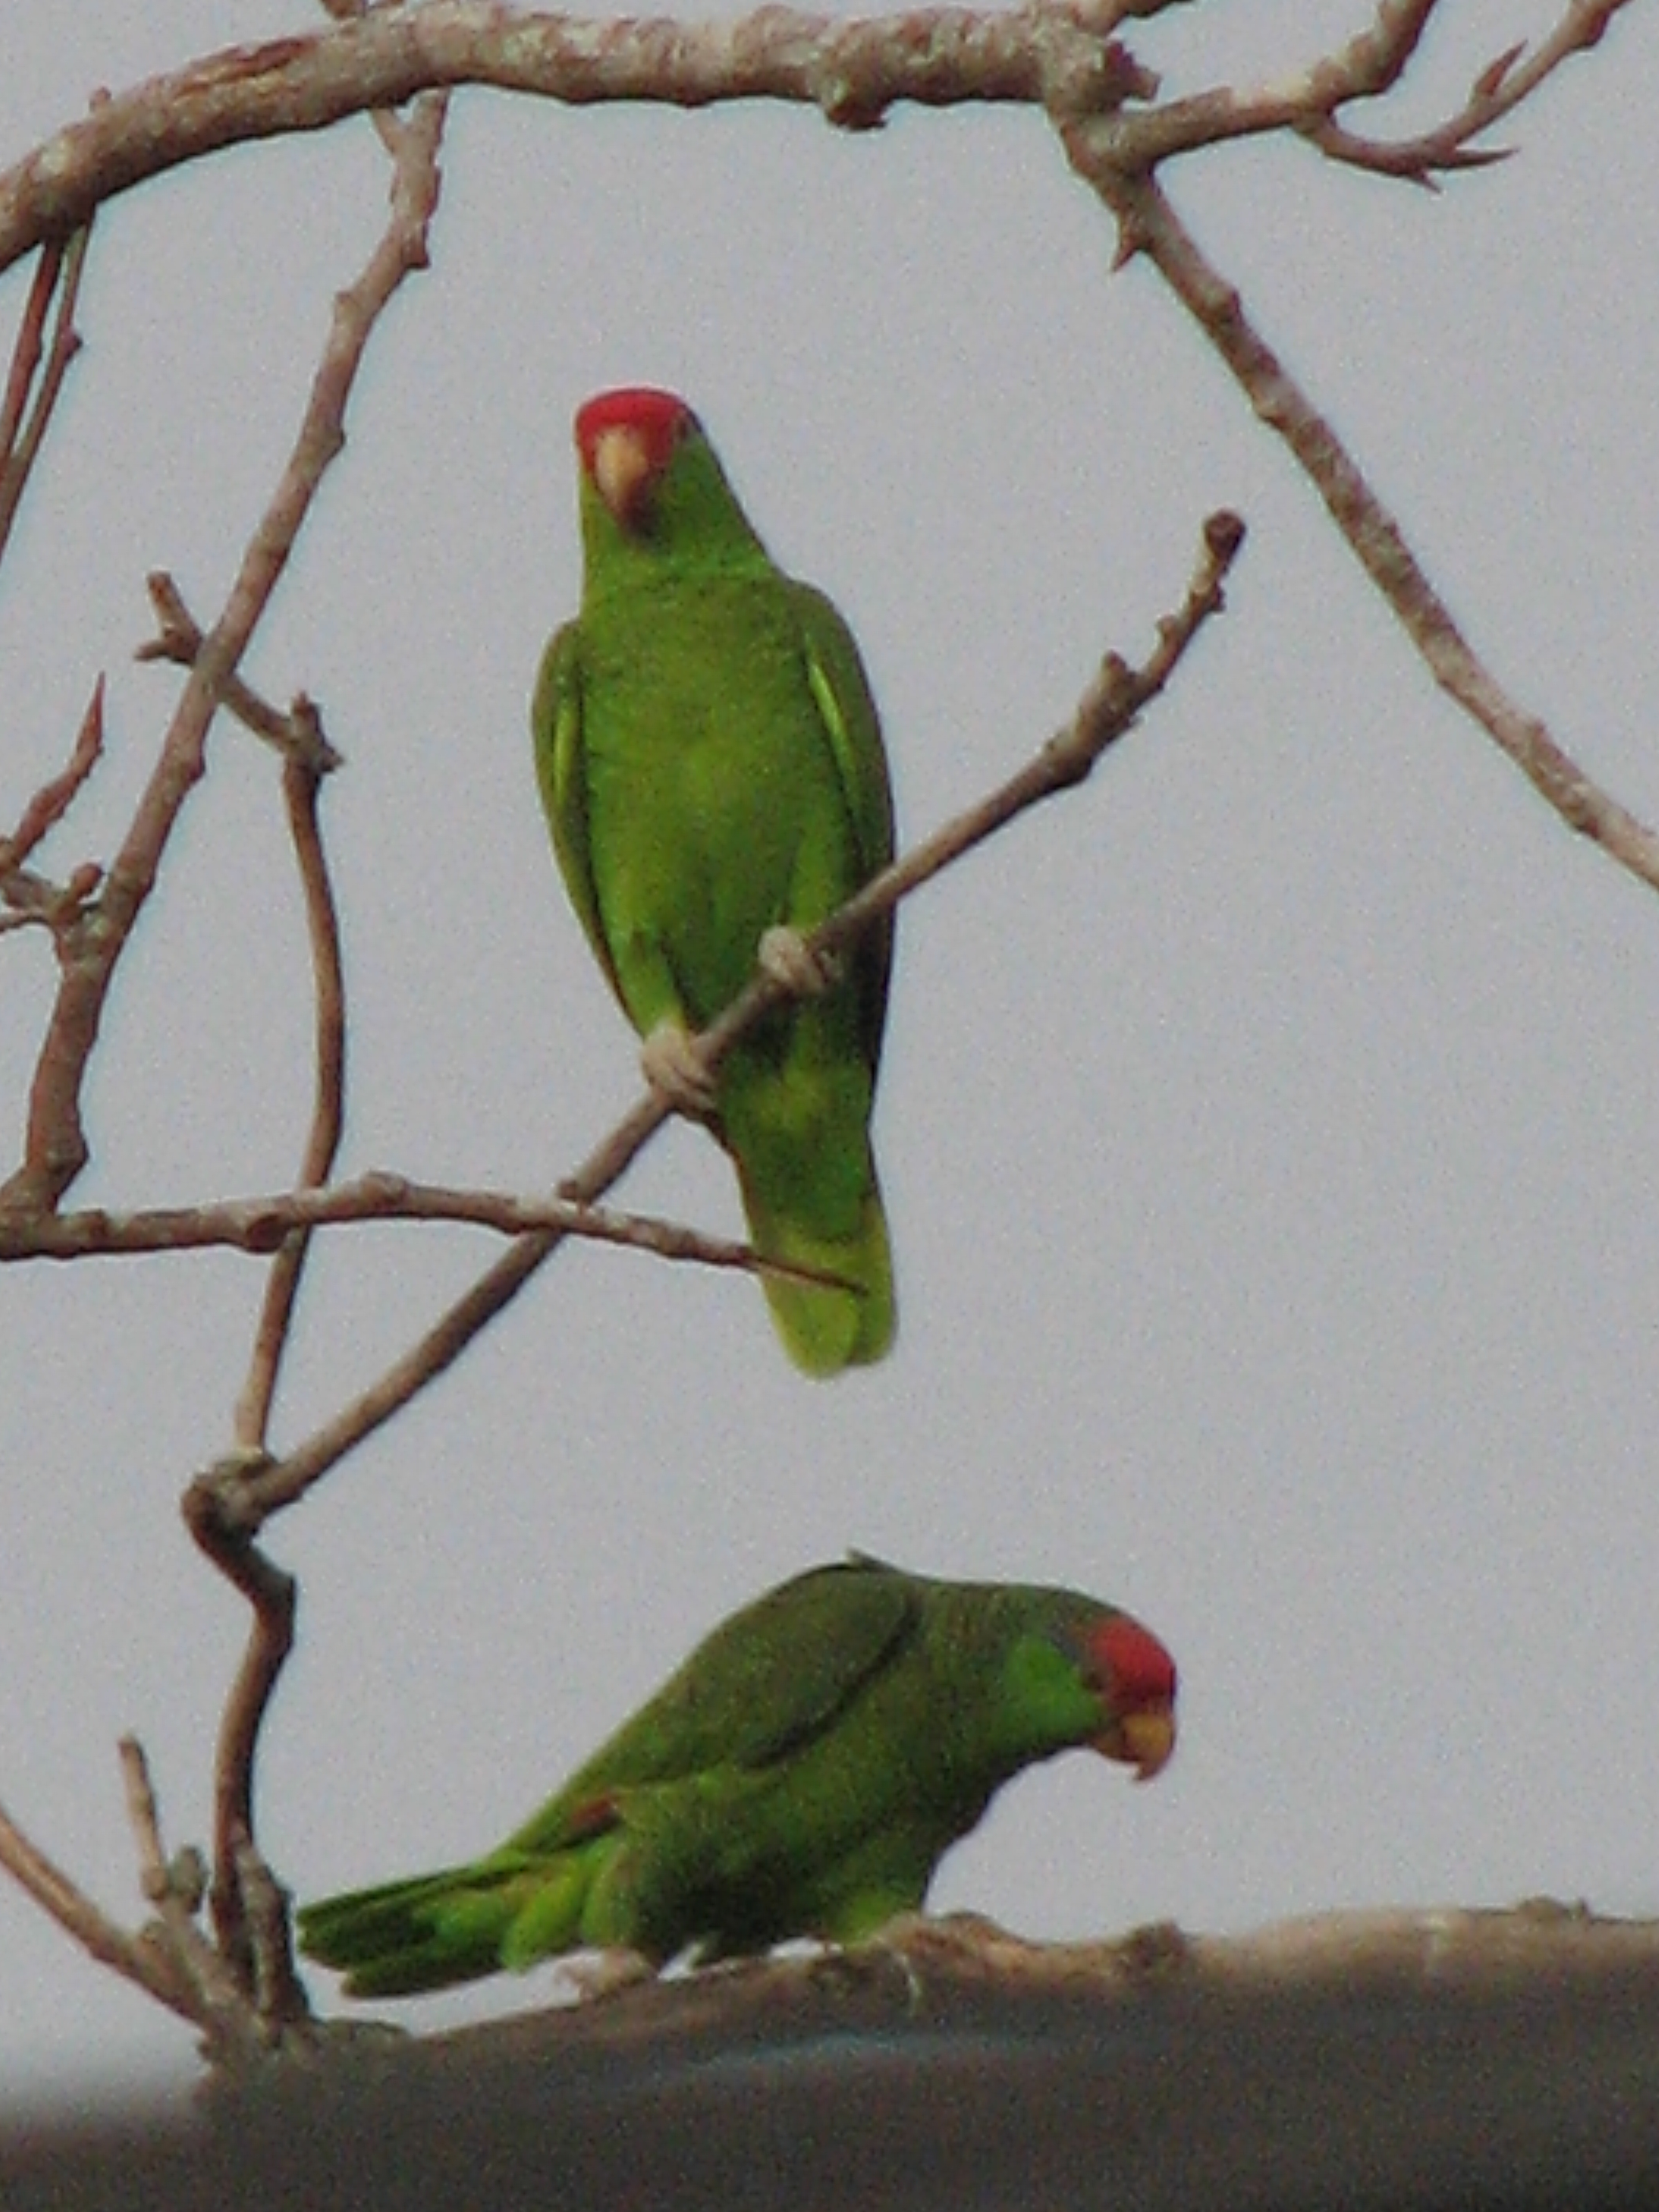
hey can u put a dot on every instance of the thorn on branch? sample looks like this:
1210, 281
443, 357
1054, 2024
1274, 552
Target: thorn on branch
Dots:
1413, 161
1490, 81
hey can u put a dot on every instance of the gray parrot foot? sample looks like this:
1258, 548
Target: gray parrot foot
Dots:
787, 957
596, 1975
672, 1065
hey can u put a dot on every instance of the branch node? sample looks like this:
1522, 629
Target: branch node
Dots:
1224, 534
298, 735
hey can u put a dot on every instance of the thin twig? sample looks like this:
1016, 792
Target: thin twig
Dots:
262, 1967
55, 797
174, 1886
56, 1147
278, 1995
236, 2028
30, 900
140, 1961
1150, 226
171, 1959
60, 273
272, 1598
1498, 90
297, 735
246, 1496
29, 344
1134, 139
260, 1224
301, 788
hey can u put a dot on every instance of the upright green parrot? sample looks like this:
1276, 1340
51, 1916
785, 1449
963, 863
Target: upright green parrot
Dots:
712, 769
800, 1775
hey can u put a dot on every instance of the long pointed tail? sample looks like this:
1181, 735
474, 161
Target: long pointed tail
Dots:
402, 1938
826, 1330
799, 1131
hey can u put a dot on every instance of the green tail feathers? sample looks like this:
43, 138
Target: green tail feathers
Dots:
824, 1330
799, 1133
402, 1938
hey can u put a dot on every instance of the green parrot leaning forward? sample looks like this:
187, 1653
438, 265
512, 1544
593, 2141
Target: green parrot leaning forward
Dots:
801, 1775
712, 769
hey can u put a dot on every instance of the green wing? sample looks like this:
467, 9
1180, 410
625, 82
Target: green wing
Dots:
769, 1679
562, 773
841, 694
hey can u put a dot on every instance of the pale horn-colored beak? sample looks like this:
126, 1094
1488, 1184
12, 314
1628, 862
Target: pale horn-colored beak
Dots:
622, 470
1145, 1740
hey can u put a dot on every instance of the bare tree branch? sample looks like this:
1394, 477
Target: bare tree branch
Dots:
175, 1888
1498, 91
297, 735
132, 1956
28, 345
24, 427
54, 799
171, 1958
252, 1937
246, 1495
1060, 55
1368, 67
56, 1147
260, 1224
249, 1919
1063, 59
1038, 55
272, 1597
301, 789
1150, 226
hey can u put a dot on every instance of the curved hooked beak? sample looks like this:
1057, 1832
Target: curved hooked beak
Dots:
1143, 1739
621, 468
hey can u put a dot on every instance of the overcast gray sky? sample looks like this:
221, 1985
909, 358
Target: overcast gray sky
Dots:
1267, 1129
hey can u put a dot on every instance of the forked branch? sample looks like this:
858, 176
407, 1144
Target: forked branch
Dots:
56, 1145
1151, 227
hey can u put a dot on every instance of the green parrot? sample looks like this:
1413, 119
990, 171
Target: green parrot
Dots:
712, 767
801, 1775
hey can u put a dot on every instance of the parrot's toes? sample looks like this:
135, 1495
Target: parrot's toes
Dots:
788, 958
672, 1065
596, 1975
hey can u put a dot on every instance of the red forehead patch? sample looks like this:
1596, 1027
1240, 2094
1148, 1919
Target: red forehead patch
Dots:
1141, 1671
659, 419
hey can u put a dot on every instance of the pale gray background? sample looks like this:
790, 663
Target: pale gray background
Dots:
1269, 1130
